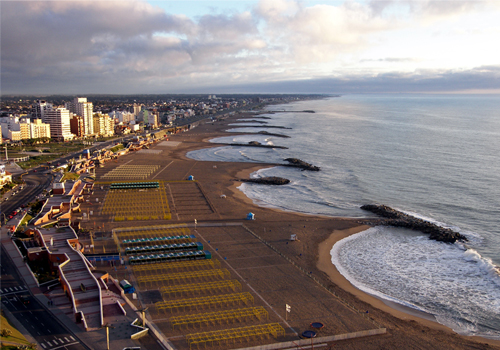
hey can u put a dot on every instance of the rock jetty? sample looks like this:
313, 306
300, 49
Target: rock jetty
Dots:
294, 162
256, 144
272, 134
250, 121
270, 180
263, 126
399, 219
284, 111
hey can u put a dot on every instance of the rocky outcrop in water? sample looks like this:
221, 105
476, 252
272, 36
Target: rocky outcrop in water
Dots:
284, 111
294, 162
250, 121
263, 126
399, 219
272, 134
271, 180
256, 144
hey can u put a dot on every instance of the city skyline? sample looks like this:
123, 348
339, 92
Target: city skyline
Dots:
279, 46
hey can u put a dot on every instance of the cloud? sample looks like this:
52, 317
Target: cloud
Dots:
482, 78
114, 46
321, 32
430, 10
390, 59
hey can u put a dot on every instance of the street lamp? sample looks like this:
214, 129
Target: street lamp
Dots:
143, 311
107, 326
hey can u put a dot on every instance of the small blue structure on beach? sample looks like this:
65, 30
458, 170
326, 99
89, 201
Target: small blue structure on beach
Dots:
250, 216
190, 178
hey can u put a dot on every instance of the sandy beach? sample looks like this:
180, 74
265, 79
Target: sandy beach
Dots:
407, 328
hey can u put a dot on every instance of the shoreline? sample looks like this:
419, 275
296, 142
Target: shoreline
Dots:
403, 312
325, 265
321, 256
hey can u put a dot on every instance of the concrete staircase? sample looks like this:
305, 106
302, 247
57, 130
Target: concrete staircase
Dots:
84, 286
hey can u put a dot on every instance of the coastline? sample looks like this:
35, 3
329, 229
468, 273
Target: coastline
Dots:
325, 264
318, 249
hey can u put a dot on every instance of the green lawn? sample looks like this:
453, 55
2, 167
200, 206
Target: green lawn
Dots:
37, 160
70, 176
15, 336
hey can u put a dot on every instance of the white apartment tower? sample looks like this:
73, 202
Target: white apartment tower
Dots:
84, 109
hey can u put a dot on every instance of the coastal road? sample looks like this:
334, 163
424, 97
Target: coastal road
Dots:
42, 326
35, 183
15, 296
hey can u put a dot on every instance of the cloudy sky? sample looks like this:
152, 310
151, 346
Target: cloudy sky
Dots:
84, 47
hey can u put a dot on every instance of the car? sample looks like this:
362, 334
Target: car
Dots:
24, 299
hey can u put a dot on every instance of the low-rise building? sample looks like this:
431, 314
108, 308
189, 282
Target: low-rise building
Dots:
5, 176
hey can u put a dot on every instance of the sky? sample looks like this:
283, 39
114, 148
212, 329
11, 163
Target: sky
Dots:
266, 46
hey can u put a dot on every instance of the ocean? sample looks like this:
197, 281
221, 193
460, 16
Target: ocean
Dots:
436, 157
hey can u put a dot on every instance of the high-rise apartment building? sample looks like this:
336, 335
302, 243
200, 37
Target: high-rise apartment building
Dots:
60, 128
77, 126
11, 128
24, 128
135, 109
38, 129
103, 125
84, 109
39, 107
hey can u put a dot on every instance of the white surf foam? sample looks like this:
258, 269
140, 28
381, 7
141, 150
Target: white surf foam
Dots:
458, 286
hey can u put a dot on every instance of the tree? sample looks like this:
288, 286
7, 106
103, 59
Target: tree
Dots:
5, 332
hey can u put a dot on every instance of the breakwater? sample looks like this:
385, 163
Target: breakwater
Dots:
297, 163
251, 144
284, 111
264, 126
397, 218
249, 121
269, 180
272, 134
257, 144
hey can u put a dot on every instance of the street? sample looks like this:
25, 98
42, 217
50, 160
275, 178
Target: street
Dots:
42, 326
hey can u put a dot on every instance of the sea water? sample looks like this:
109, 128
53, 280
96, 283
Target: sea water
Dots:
436, 157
